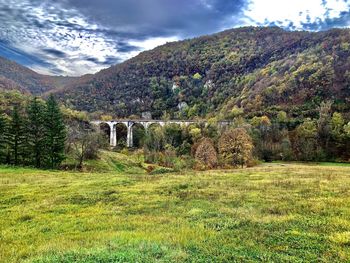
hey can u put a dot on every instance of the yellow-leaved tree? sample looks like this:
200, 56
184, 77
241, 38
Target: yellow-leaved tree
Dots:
235, 147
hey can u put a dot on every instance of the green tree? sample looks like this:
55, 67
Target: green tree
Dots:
323, 125
305, 146
4, 138
36, 132
347, 130
173, 134
155, 140
197, 76
55, 134
17, 139
337, 125
347, 139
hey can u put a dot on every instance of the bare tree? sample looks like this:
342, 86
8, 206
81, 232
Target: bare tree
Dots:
84, 142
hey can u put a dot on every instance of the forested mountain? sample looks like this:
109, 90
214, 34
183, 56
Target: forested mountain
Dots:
16, 77
255, 70
258, 70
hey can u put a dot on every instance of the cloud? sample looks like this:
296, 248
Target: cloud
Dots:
75, 37
159, 18
297, 14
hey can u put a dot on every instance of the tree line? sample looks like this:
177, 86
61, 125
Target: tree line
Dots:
34, 135
261, 138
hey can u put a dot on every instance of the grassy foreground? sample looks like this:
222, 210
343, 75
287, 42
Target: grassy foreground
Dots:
272, 213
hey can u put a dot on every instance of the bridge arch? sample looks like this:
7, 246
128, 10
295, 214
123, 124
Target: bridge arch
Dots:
121, 134
106, 129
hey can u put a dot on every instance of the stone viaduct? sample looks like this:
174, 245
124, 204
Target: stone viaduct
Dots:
129, 124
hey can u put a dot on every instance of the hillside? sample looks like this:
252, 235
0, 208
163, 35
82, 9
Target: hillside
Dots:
16, 77
257, 69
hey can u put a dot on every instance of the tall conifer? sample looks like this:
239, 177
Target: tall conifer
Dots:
55, 133
4, 138
17, 137
36, 132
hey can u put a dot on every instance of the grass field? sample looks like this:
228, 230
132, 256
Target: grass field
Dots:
271, 213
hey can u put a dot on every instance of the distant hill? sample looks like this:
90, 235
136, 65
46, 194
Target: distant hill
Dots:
256, 69
16, 77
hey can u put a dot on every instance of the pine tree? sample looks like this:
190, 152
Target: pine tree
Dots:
55, 134
4, 138
17, 136
36, 132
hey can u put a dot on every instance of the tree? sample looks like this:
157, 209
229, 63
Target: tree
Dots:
55, 133
84, 142
323, 124
197, 76
195, 133
347, 139
305, 145
4, 138
347, 130
155, 139
206, 154
17, 136
36, 132
235, 147
337, 125
173, 134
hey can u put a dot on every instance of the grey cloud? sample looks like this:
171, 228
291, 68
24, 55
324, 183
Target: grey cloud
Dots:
54, 52
83, 36
154, 18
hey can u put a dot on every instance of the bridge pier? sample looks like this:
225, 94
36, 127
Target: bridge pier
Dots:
129, 137
146, 124
113, 135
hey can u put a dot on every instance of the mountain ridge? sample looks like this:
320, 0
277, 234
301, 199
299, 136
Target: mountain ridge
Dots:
257, 70
28, 80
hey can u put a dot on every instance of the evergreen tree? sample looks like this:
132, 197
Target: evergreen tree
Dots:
36, 132
4, 137
55, 134
17, 137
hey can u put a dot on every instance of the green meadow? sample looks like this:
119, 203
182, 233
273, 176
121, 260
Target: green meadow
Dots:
120, 213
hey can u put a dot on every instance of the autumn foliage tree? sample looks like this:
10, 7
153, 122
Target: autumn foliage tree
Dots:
206, 154
235, 147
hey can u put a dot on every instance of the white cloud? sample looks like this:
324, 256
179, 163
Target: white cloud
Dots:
283, 12
152, 42
36, 27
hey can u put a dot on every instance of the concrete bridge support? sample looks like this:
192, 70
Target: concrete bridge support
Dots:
129, 137
113, 135
146, 124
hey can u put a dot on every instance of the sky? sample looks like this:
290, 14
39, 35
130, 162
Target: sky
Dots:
76, 37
